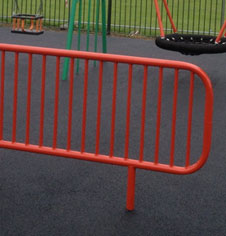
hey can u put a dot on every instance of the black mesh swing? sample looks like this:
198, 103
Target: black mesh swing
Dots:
34, 21
189, 44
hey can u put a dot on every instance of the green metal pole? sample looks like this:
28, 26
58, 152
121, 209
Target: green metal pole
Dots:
96, 27
104, 32
79, 31
69, 37
88, 26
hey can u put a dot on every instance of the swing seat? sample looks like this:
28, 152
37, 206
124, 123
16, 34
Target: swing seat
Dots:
35, 24
189, 44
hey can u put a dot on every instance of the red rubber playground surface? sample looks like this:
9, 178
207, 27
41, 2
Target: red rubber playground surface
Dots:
49, 195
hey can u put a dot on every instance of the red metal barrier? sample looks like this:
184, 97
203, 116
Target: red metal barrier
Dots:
195, 73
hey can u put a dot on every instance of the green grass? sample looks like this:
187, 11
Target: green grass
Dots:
133, 15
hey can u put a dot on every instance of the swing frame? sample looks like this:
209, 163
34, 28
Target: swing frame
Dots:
188, 44
19, 21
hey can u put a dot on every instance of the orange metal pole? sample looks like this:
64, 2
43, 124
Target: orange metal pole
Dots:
2, 94
70, 104
221, 32
113, 113
158, 122
170, 16
174, 115
162, 34
84, 106
28, 100
129, 94
99, 108
32, 24
190, 106
15, 96
131, 188
22, 24
42, 107
18, 23
56, 102
37, 25
143, 113
14, 23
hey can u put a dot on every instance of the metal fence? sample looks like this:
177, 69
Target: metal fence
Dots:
134, 17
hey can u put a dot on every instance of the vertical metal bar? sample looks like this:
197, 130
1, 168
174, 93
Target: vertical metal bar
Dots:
42, 101
2, 94
169, 16
84, 106
55, 127
189, 128
162, 34
99, 107
70, 104
158, 122
143, 113
174, 115
113, 110
15, 96
129, 93
109, 17
104, 33
28, 99
131, 188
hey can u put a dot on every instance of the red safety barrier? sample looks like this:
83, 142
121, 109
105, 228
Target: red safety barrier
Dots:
194, 74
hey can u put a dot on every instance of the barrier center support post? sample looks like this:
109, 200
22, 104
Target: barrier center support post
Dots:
131, 188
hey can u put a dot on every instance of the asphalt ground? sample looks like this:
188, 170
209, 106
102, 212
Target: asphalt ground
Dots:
45, 195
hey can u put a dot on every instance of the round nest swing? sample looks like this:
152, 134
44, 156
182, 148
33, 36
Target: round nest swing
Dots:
189, 44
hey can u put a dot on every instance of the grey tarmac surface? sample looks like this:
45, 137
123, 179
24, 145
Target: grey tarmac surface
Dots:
44, 195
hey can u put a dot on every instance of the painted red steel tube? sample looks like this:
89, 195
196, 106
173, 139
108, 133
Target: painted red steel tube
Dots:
188, 148
84, 106
113, 113
143, 113
2, 94
221, 32
99, 107
70, 105
129, 94
162, 34
174, 115
15, 96
28, 99
158, 123
42, 107
169, 15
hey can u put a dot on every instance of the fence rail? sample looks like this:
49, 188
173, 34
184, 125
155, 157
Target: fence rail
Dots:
129, 16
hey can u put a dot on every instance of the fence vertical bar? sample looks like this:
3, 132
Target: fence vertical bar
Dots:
28, 99
42, 110
99, 107
174, 115
85, 91
113, 113
55, 126
143, 113
15, 96
190, 106
70, 104
2, 94
129, 94
158, 120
